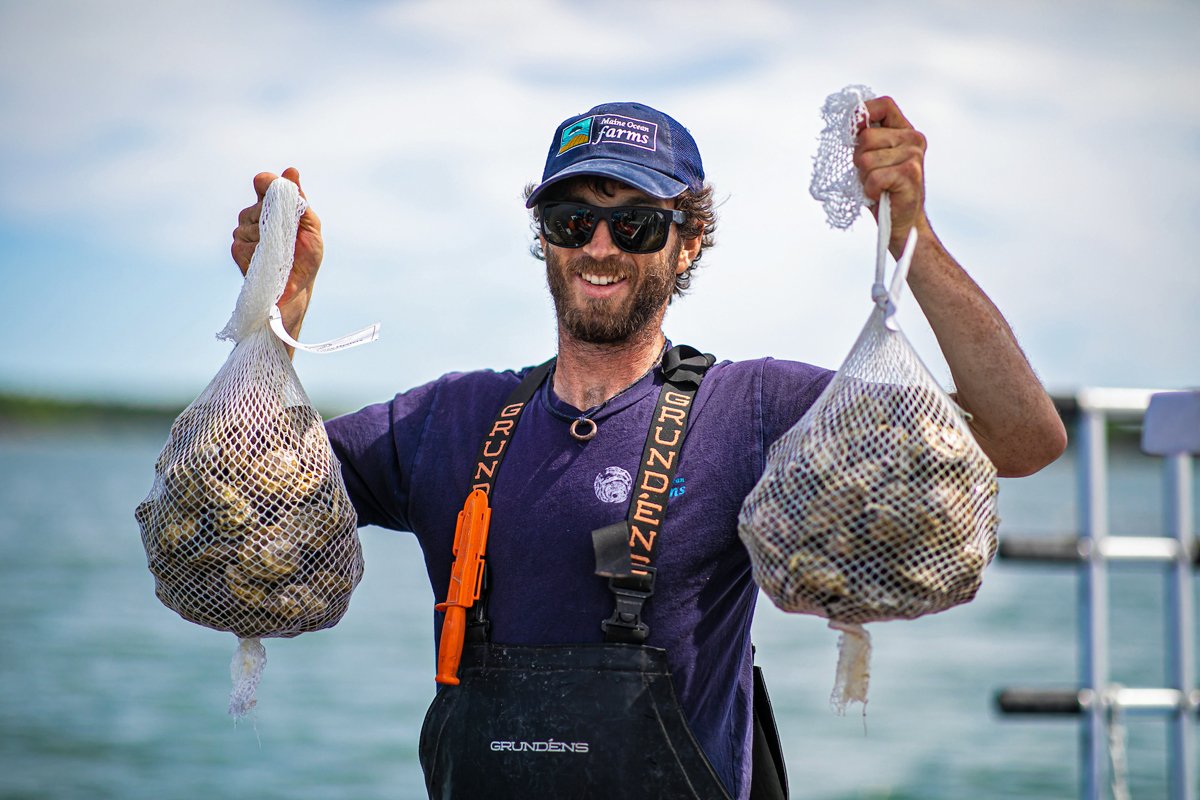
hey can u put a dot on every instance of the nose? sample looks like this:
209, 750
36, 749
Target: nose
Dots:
601, 243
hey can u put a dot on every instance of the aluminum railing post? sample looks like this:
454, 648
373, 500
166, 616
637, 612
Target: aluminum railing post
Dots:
1093, 599
1180, 637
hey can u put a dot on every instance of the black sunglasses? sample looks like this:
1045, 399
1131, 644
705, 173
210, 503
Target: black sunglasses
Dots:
635, 229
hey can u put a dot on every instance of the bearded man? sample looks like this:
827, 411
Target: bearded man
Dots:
609, 654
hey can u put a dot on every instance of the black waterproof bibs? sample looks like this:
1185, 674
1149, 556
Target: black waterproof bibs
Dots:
563, 722
596, 720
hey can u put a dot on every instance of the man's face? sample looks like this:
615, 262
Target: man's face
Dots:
603, 295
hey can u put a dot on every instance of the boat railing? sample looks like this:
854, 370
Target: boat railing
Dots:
1170, 423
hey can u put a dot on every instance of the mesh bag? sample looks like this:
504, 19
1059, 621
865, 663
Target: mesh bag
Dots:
247, 527
878, 504
835, 181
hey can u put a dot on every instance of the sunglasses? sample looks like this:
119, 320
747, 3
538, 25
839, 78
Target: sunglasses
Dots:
635, 229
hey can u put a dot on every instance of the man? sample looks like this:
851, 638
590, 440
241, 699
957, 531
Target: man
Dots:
602, 712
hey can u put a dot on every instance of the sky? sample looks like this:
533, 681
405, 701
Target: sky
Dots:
1063, 161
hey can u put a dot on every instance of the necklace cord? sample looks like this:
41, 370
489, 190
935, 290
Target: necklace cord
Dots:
582, 433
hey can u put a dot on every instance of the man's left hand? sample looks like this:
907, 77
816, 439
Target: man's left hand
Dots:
891, 158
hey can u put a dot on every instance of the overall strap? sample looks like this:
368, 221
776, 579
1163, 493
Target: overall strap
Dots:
625, 549
483, 477
495, 444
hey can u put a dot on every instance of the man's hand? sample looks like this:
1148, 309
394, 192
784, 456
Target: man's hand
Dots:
891, 158
309, 250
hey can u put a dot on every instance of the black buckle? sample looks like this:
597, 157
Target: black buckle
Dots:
479, 627
685, 365
631, 593
478, 630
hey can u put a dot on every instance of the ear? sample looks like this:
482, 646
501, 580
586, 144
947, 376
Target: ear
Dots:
689, 252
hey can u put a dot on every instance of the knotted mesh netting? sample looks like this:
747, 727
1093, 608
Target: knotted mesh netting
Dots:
835, 182
247, 527
878, 504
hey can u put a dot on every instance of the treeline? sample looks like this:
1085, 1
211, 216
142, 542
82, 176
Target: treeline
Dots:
35, 410
22, 410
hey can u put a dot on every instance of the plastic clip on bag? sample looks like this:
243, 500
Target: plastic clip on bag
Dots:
878, 504
247, 527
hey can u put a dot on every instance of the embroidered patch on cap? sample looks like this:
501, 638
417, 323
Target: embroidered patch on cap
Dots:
575, 135
610, 129
615, 129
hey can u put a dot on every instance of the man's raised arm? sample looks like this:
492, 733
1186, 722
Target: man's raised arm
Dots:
1012, 416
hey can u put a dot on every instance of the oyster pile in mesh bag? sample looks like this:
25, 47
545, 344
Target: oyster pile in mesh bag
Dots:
247, 527
877, 507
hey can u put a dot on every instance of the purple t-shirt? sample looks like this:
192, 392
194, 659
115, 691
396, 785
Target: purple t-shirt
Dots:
408, 465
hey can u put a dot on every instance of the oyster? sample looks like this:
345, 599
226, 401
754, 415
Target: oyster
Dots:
245, 589
330, 585
233, 515
179, 534
190, 480
314, 524
296, 600
269, 554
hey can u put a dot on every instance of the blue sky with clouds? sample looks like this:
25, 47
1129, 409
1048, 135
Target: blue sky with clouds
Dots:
1064, 148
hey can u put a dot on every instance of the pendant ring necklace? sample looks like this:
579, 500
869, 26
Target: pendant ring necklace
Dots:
583, 429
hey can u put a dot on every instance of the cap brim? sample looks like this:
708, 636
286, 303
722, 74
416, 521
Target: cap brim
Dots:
641, 178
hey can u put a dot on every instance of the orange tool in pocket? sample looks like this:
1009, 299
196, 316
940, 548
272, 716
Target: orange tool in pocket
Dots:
466, 578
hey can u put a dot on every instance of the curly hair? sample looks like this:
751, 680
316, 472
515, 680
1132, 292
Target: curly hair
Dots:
699, 207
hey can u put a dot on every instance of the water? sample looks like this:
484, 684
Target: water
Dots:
104, 693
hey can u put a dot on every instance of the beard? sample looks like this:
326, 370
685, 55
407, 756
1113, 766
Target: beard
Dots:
610, 321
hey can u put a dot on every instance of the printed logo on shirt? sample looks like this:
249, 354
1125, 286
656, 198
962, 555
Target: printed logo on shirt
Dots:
677, 487
613, 485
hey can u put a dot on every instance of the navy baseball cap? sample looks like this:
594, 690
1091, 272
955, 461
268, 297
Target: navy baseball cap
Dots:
628, 142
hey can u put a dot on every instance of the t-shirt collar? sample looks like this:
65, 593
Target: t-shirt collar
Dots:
567, 412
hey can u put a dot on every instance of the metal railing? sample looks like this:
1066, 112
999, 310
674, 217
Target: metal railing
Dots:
1170, 429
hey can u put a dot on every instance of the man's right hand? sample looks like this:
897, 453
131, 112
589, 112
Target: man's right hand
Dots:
309, 250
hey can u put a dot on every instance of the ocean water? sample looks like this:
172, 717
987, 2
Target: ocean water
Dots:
104, 693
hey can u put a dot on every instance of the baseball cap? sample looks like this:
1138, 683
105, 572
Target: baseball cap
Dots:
629, 142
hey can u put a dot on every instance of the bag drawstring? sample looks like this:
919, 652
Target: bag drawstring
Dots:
887, 298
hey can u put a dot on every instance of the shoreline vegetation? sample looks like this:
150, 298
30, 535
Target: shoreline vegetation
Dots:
29, 411
22, 410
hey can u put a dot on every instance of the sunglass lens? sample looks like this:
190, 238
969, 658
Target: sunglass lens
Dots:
567, 225
639, 230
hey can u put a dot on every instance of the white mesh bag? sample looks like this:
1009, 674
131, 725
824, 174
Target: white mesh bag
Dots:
878, 504
835, 182
247, 527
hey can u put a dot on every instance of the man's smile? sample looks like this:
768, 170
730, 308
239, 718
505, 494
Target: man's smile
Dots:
600, 280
